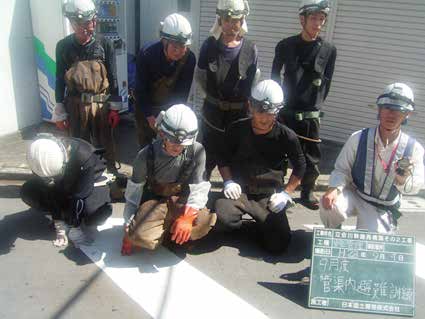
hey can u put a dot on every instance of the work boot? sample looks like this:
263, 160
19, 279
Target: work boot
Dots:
309, 200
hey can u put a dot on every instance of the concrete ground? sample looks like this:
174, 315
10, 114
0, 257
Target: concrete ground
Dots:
40, 281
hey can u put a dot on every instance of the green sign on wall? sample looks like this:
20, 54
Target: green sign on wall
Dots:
363, 272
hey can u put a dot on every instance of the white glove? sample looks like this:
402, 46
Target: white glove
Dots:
278, 201
232, 190
59, 113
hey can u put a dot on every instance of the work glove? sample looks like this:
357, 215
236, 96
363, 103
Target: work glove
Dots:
127, 246
182, 226
60, 228
113, 118
232, 190
62, 125
278, 201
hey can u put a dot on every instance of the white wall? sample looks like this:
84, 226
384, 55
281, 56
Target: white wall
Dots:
20, 103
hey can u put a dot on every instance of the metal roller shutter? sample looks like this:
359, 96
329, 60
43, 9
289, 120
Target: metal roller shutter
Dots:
378, 42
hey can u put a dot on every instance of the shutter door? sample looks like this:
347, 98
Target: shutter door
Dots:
378, 42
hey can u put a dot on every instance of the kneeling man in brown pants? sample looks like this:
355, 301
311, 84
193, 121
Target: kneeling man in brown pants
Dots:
167, 193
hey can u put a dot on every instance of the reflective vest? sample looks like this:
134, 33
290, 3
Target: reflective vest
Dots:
363, 170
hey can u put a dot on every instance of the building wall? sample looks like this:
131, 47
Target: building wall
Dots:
379, 42
18, 78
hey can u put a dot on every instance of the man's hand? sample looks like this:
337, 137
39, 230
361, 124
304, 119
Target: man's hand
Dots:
278, 201
113, 118
182, 226
62, 125
403, 169
232, 190
152, 121
328, 200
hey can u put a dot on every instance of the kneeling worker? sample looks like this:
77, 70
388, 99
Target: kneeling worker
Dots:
253, 167
71, 184
374, 167
167, 192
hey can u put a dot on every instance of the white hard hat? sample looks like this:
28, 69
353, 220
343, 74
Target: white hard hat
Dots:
232, 8
179, 124
311, 6
177, 28
397, 96
47, 157
83, 10
267, 96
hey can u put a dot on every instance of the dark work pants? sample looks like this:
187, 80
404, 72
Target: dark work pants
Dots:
214, 124
39, 195
274, 227
145, 134
308, 128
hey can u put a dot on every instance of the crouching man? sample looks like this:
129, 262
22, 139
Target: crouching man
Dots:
374, 167
253, 168
166, 196
70, 183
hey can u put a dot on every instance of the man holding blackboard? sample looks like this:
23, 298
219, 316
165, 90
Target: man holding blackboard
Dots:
374, 167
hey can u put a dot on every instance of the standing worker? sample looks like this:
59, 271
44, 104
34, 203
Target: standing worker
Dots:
226, 71
86, 71
375, 166
309, 63
164, 74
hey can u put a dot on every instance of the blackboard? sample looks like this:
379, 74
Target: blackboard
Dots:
362, 272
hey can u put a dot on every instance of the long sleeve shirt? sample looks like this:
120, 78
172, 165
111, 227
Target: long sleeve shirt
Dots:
152, 65
297, 57
243, 148
341, 176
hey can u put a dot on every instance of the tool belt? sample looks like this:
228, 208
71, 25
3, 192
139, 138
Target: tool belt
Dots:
299, 116
94, 98
225, 105
166, 189
264, 183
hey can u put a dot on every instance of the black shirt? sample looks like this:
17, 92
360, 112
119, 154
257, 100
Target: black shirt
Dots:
298, 57
69, 51
244, 149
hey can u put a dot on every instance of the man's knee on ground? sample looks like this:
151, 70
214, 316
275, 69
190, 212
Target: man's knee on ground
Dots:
227, 218
276, 233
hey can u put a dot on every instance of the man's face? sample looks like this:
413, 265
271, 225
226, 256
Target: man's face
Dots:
313, 23
262, 121
174, 50
173, 149
231, 26
391, 119
84, 29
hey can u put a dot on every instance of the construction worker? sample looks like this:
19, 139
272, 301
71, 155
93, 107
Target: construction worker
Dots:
253, 169
167, 194
71, 184
86, 71
374, 167
227, 68
308, 63
164, 74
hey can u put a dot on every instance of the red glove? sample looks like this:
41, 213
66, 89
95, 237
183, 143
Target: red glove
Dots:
127, 246
182, 227
62, 125
113, 118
